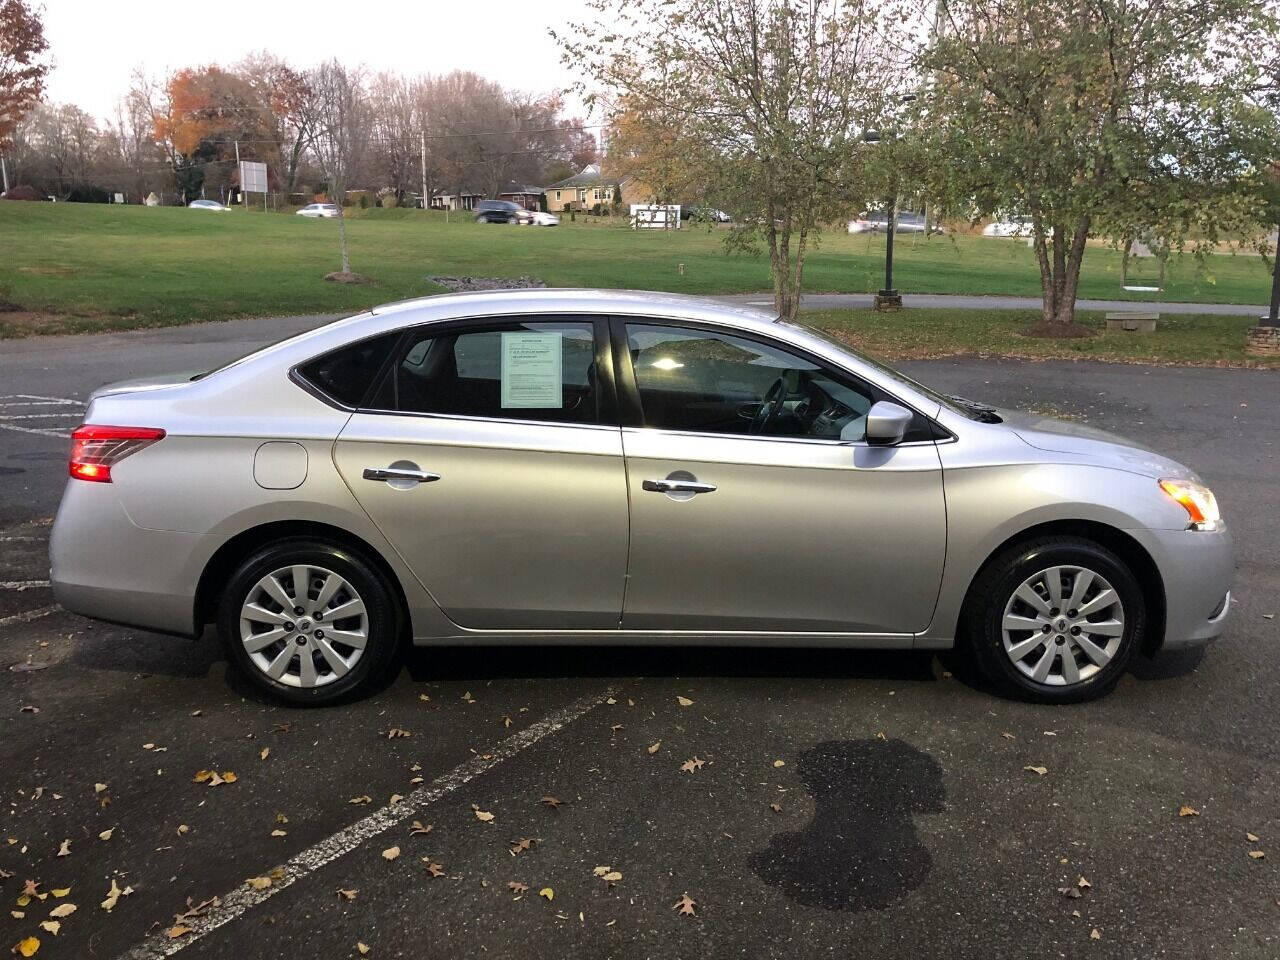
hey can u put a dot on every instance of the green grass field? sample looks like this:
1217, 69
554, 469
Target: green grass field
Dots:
1199, 339
90, 266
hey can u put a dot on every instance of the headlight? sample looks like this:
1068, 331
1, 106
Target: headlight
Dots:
1197, 499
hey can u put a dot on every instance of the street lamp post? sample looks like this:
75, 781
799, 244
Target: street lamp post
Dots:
1272, 319
889, 298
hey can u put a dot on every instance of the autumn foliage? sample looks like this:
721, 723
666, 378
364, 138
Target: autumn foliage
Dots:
22, 64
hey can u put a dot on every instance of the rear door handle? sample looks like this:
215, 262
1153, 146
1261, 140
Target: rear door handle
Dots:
677, 486
399, 473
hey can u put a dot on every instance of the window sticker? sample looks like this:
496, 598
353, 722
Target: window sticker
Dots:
531, 370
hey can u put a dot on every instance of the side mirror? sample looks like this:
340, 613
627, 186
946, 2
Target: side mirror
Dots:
887, 423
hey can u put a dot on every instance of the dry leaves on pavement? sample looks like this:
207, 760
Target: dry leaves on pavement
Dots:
1038, 771
213, 778
484, 816
516, 887
684, 701
347, 894
692, 766
686, 906
551, 802
390, 853
416, 829
1186, 811
433, 869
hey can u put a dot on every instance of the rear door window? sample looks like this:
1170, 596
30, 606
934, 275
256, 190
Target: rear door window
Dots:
345, 375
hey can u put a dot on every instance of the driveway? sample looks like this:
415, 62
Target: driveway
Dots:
834, 803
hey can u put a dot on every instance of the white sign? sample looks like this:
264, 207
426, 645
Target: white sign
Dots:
531, 374
655, 216
253, 177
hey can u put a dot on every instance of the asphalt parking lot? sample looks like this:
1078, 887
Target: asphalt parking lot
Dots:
846, 804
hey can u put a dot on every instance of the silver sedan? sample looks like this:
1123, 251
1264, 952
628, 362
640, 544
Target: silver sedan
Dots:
572, 466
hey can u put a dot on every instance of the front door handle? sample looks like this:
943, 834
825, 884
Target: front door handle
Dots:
389, 474
677, 486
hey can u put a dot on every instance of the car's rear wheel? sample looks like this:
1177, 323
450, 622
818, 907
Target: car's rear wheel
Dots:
309, 622
1055, 620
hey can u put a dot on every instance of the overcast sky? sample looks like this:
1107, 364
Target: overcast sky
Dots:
96, 45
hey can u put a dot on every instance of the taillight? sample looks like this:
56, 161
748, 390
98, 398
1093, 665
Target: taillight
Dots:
96, 449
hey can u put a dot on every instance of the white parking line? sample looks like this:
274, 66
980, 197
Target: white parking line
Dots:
235, 903
32, 396
22, 584
22, 539
27, 616
60, 434
39, 416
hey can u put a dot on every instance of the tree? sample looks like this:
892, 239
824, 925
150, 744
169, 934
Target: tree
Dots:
1098, 117
767, 97
22, 64
285, 105
342, 131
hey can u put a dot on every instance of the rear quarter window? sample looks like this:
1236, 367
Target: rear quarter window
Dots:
346, 374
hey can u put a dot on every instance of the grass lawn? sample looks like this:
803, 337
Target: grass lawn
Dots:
92, 267
1201, 339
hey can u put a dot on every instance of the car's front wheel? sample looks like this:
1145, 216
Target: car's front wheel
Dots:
309, 622
1055, 620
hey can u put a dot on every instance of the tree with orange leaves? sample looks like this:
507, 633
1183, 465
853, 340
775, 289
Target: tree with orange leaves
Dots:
22, 64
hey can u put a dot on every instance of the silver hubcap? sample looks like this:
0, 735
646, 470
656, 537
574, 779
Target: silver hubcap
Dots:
1063, 625
304, 626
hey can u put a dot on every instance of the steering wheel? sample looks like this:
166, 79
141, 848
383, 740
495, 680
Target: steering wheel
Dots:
770, 407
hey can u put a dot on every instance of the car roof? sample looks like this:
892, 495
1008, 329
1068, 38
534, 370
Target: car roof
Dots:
447, 306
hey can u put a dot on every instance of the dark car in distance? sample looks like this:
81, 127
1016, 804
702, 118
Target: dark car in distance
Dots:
498, 211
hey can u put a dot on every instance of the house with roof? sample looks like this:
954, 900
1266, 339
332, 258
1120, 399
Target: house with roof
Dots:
463, 199
525, 194
589, 187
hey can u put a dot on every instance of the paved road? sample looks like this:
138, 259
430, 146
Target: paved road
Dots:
933, 841
834, 301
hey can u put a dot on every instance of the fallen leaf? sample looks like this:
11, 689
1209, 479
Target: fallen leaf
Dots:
61, 892
262, 754
692, 766
114, 895
775, 807
779, 763
416, 829
684, 701
653, 747
390, 853
279, 833
1256, 855
65, 849
881, 736
524, 843
176, 931
484, 816
28, 708
31, 888
396, 733
551, 802
1185, 811
259, 883
1039, 771
467, 697
612, 877
547, 892
361, 800
62, 911
347, 894
434, 869
196, 713
363, 948
506, 721
53, 926
685, 905
183, 829
1071, 893
106, 834
1008, 736
17, 914
395, 798
515, 886
27, 947
1095, 934
1252, 838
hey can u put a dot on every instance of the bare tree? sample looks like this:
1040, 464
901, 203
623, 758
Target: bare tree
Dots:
342, 125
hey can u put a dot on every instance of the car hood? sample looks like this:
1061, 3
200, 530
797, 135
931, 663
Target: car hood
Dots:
1101, 447
146, 383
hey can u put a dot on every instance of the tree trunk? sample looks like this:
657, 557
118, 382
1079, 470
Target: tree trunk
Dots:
342, 239
1060, 277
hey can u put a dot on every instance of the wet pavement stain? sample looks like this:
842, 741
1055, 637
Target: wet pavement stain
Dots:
861, 850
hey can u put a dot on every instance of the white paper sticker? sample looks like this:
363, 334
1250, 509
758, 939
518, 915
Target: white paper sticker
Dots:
531, 370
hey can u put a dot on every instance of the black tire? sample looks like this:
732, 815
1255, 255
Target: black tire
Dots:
382, 648
982, 634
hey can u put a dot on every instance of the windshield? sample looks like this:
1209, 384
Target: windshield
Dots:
965, 408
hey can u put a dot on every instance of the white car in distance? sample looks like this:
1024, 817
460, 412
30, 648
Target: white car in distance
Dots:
319, 210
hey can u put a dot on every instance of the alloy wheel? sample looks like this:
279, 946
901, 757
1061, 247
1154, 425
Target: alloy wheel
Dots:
304, 626
1063, 625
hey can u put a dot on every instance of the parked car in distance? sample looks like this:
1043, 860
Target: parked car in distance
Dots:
578, 466
319, 210
500, 211
905, 222
207, 205
541, 218
707, 214
1008, 227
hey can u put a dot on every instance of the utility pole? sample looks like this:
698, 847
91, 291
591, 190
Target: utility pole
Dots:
4, 170
422, 156
238, 171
